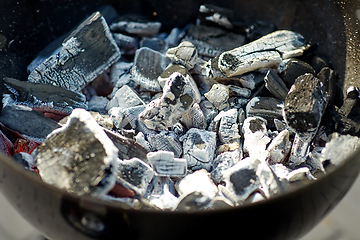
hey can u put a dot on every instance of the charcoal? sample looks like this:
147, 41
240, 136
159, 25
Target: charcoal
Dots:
218, 96
204, 49
131, 115
126, 44
194, 118
175, 36
118, 71
328, 78
259, 29
294, 68
318, 63
140, 139
148, 65
228, 147
209, 110
136, 28
28, 122
98, 103
275, 85
247, 80
79, 157
222, 162
192, 202
213, 15
166, 141
198, 148
24, 159
184, 54
239, 91
163, 197
198, 181
125, 97
101, 119
265, 107
255, 197
86, 53
255, 137
177, 99
220, 202
350, 107
154, 43
164, 164
45, 96
299, 174
228, 127
265, 52
279, 148
135, 175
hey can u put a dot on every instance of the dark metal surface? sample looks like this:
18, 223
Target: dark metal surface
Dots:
27, 26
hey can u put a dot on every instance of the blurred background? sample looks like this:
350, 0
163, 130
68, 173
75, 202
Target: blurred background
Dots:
341, 224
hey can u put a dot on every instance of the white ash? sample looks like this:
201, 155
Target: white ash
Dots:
198, 148
79, 157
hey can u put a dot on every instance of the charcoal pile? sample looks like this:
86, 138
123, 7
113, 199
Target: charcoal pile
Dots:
211, 115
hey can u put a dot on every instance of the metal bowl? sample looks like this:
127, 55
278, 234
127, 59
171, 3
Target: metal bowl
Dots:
27, 26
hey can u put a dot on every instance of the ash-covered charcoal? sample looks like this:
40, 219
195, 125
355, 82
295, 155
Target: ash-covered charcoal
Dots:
86, 53
255, 137
165, 164
218, 96
79, 157
224, 161
185, 54
266, 52
135, 175
166, 141
239, 91
27, 121
148, 66
275, 85
228, 127
194, 118
199, 148
125, 97
177, 99
140, 28
293, 68
303, 110
265, 107
120, 75
163, 194
43, 96
98, 104
193, 202
155, 43
279, 148
126, 44
213, 15
209, 110
204, 49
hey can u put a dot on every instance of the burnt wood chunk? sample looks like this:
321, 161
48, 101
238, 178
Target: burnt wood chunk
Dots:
294, 68
86, 52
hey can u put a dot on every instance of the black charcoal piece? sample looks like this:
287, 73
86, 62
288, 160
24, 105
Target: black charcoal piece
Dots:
140, 28
293, 68
209, 110
79, 157
127, 44
275, 85
26, 121
351, 105
204, 49
259, 29
266, 107
328, 78
154, 43
148, 66
216, 16
43, 95
239, 91
305, 105
86, 53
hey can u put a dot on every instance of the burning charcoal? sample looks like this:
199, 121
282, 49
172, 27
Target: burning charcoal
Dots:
294, 68
279, 148
239, 91
222, 162
255, 137
135, 175
192, 202
218, 95
204, 49
166, 141
265, 107
265, 52
198, 148
36, 125
172, 68
79, 157
184, 54
127, 148
198, 181
177, 99
275, 85
228, 128
214, 15
303, 110
125, 97
339, 148
148, 65
45, 96
154, 43
209, 110
164, 164
98, 104
137, 28
126, 44
328, 78
25, 159
85, 54
194, 118
247, 177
